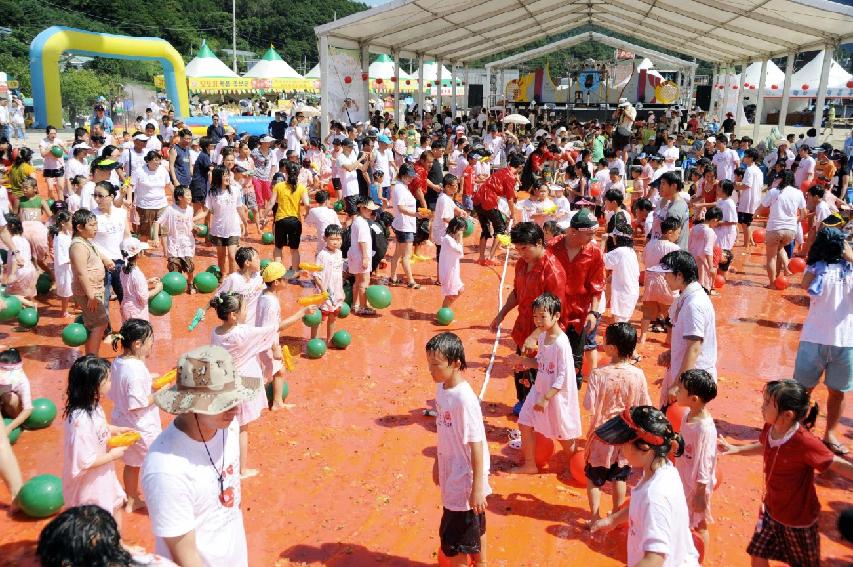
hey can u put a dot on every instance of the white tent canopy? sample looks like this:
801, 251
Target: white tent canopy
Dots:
206, 64
383, 68
773, 76
272, 66
314, 73
810, 75
431, 72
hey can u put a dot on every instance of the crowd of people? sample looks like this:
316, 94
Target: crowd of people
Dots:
575, 206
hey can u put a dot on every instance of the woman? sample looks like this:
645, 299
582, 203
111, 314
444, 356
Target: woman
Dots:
113, 227
20, 170
404, 225
150, 184
787, 208
224, 204
582, 182
291, 198
533, 165
265, 167
53, 164
88, 268
117, 175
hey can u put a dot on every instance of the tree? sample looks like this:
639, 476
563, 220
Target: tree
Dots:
81, 88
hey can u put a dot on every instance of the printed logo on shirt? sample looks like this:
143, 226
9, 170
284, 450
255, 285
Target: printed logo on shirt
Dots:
688, 452
444, 419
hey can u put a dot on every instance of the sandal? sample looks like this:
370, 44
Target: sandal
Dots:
413, 285
393, 281
365, 312
836, 447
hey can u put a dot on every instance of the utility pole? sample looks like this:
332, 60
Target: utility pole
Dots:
234, 35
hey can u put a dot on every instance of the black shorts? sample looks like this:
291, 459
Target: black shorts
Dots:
349, 205
198, 194
491, 222
53, 172
744, 218
621, 137
336, 184
404, 237
460, 532
288, 233
224, 241
599, 475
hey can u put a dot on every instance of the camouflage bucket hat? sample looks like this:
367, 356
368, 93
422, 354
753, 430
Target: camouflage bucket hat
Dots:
207, 383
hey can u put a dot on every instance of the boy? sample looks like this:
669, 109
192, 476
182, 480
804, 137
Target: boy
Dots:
643, 219
697, 466
726, 229
815, 201
376, 189
330, 279
462, 462
178, 240
445, 210
321, 217
701, 245
615, 182
360, 255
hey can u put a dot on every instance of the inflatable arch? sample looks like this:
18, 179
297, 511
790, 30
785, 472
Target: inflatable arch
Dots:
50, 44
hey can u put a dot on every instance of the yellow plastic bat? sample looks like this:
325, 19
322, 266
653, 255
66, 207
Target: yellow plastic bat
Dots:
123, 439
287, 358
310, 267
504, 240
315, 299
165, 379
424, 211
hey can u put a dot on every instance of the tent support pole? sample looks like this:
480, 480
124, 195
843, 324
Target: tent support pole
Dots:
365, 83
324, 87
397, 89
726, 89
421, 87
786, 90
487, 89
821, 90
465, 83
739, 105
439, 102
759, 103
453, 90
715, 80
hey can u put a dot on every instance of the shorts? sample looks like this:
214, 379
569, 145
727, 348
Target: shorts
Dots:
834, 363
386, 193
147, 218
180, 265
198, 194
460, 532
599, 475
404, 237
225, 241
656, 290
468, 202
325, 313
250, 199
263, 190
491, 222
349, 205
92, 318
794, 546
336, 185
288, 233
589, 341
47, 173
778, 238
744, 218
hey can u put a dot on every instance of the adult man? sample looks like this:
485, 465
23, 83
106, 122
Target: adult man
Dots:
215, 131
191, 475
101, 118
293, 135
180, 168
153, 143
804, 174
749, 194
278, 126
694, 331
134, 158
725, 160
502, 183
436, 174
729, 124
383, 159
348, 166
228, 140
583, 262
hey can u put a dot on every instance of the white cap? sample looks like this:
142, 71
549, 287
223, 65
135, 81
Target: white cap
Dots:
267, 139
132, 246
141, 137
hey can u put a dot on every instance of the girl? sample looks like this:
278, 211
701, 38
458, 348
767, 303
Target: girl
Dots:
62, 260
659, 531
563, 215
445, 211
612, 389
30, 208
21, 169
331, 279
290, 199
533, 208
701, 245
625, 279
224, 204
551, 408
133, 402
88, 472
247, 282
137, 290
360, 255
787, 528
615, 214
657, 296
450, 252
16, 402
75, 184
269, 313
20, 274
244, 343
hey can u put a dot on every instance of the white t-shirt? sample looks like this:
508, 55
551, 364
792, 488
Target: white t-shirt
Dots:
727, 235
459, 421
183, 494
784, 205
51, 162
821, 211
320, 217
445, 210
360, 232
111, 231
401, 196
806, 168
692, 315
74, 167
670, 156
625, 283
349, 179
225, 220
150, 187
830, 317
726, 161
153, 143
291, 135
383, 161
131, 161
749, 198
659, 521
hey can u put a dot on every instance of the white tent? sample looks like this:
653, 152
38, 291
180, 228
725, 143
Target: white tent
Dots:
383, 68
314, 73
431, 72
773, 76
810, 75
272, 66
206, 64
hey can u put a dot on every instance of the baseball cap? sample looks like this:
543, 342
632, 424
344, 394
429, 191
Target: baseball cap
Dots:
267, 140
383, 139
131, 247
273, 271
347, 143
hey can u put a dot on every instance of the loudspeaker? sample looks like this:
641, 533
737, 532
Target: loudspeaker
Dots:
703, 97
475, 95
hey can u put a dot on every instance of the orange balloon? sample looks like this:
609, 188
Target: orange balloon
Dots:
780, 283
595, 189
759, 236
719, 281
797, 265
675, 414
576, 467
544, 450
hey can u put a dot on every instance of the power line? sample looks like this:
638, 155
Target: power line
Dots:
125, 23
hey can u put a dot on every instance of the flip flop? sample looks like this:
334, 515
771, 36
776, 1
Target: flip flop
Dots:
836, 447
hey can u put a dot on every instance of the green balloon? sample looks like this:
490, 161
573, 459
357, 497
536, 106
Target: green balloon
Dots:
339, 206
267, 238
13, 437
174, 283
56, 151
50, 203
74, 335
43, 284
160, 304
44, 412
264, 263
469, 228
345, 310
12, 308
28, 318
313, 319
202, 229
205, 282
341, 339
379, 296
444, 316
316, 348
214, 269
284, 391
252, 216
41, 496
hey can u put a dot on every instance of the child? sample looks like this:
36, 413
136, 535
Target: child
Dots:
73, 198
244, 342
445, 210
701, 246
787, 528
726, 229
615, 182
16, 403
697, 466
564, 213
179, 246
20, 274
611, 390
449, 254
551, 408
133, 402
321, 216
375, 190
533, 208
88, 472
639, 188
551, 230
657, 514
643, 219
625, 279
247, 281
462, 459
269, 313
615, 213
30, 209
62, 259
137, 290
360, 255
657, 296
816, 202
331, 279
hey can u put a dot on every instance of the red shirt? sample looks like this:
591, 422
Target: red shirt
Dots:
419, 182
468, 181
500, 184
789, 469
584, 280
546, 275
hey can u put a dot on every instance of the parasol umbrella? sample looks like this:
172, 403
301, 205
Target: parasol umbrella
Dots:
308, 111
515, 119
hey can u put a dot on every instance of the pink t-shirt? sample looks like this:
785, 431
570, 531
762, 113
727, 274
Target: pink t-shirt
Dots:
702, 241
698, 464
245, 343
16, 381
134, 305
85, 439
269, 313
250, 289
360, 234
332, 278
178, 223
449, 271
131, 408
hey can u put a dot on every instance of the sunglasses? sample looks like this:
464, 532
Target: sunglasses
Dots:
100, 196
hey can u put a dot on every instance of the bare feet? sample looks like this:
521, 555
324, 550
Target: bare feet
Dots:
526, 468
249, 473
277, 406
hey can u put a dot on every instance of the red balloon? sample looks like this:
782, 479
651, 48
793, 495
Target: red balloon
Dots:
850, 84
797, 265
364, 76
774, 87
734, 87
443, 561
378, 81
408, 82
721, 87
544, 450
752, 87
759, 236
746, 85
347, 79
393, 79
805, 87
675, 414
781, 282
576, 467
719, 281
699, 544
595, 189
